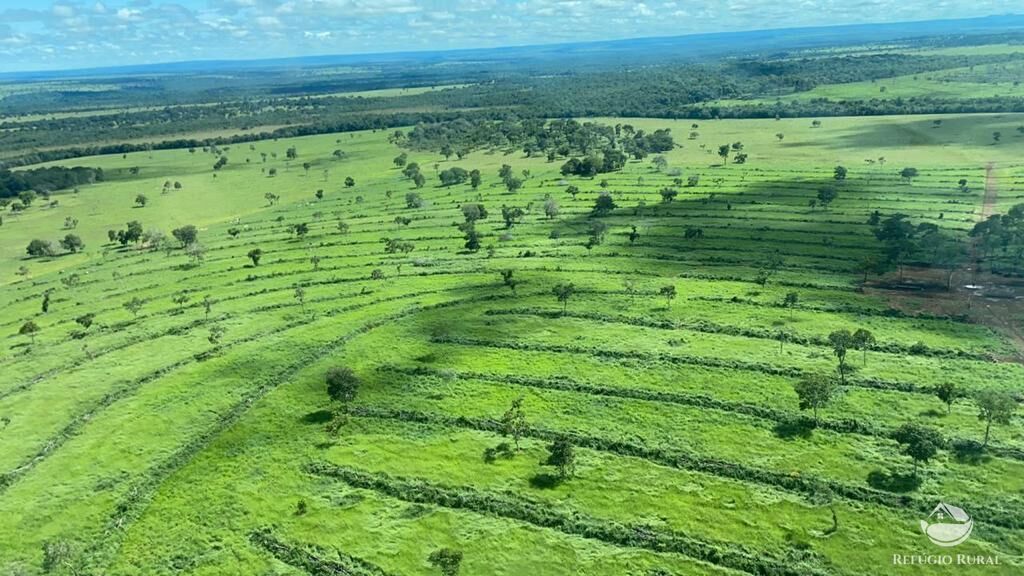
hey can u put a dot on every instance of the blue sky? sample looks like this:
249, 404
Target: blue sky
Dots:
71, 34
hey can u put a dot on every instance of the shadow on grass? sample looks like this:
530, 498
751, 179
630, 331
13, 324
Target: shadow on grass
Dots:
970, 452
794, 428
317, 417
893, 481
545, 481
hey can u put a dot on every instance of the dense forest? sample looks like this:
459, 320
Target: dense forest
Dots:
751, 86
46, 180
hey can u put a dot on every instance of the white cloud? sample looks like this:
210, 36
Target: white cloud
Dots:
129, 15
63, 11
268, 22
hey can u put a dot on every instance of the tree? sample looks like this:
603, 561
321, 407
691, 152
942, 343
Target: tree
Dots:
186, 235
994, 407
841, 341
39, 248
862, 340
513, 422
216, 333
472, 236
300, 295
723, 151
413, 200
815, 391
550, 208
604, 204
511, 214
508, 280
29, 329
196, 253
779, 136
826, 195
563, 292
668, 292
948, 393
72, 243
790, 299
562, 456
349, 182
141, 200
921, 443
319, 194
898, 236
85, 320
446, 560
474, 178
419, 180
207, 305
668, 194
27, 198
513, 184
839, 173
908, 174
180, 299
342, 384
299, 230
453, 176
134, 306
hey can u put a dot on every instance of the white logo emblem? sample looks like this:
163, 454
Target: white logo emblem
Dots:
947, 525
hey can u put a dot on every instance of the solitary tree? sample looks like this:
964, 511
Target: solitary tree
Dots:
550, 208
562, 456
72, 243
141, 200
186, 235
921, 443
826, 195
342, 384
255, 254
862, 340
180, 299
216, 333
29, 329
85, 320
668, 292
723, 151
508, 279
841, 341
300, 295
448, 561
815, 391
134, 306
563, 292
513, 421
995, 407
948, 393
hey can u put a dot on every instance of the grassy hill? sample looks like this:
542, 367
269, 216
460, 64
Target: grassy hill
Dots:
189, 435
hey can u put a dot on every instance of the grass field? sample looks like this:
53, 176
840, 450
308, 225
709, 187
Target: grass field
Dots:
155, 447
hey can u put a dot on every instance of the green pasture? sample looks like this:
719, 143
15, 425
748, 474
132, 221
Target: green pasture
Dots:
160, 441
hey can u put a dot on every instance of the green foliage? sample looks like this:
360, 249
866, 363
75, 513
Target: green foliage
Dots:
342, 384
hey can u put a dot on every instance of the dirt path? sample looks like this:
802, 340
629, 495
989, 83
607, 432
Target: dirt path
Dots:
996, 313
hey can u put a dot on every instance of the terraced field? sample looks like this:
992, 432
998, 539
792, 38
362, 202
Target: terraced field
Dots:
190, 436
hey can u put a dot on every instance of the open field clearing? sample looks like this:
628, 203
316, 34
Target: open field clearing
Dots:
185, 427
